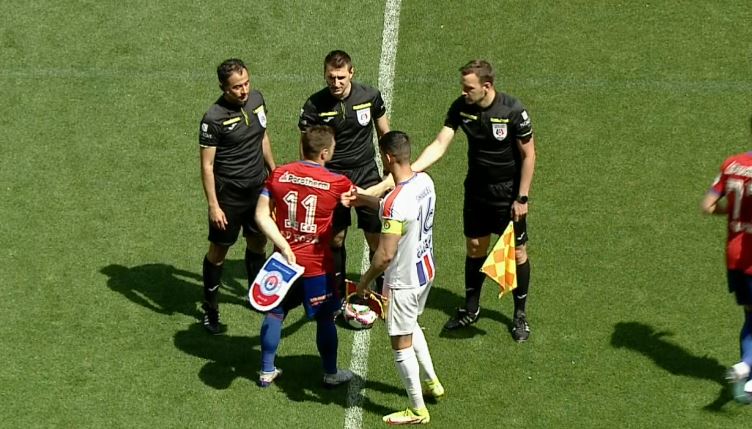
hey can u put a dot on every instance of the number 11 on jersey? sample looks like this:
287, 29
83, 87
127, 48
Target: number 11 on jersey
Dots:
309, 205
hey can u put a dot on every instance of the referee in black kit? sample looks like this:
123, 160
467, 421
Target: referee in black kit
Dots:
236, 156
501, 161
352, 109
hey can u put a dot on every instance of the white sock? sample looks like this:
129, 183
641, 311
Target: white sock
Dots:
409, 371
741, 370
424, 356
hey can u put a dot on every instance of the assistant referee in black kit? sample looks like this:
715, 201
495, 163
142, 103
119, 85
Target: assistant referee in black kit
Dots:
352, 109
501, 161
236, 156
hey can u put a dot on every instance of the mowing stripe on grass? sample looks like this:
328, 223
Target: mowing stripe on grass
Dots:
549, 81
361, 343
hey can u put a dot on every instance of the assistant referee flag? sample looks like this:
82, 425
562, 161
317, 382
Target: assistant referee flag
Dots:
500, 265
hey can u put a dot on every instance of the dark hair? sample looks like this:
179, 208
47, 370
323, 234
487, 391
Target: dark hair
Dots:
228, 68
315, 139
396, 144
338, 59
480, 68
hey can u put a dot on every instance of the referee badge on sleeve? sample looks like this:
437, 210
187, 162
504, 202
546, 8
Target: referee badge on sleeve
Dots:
499, 131
364, 116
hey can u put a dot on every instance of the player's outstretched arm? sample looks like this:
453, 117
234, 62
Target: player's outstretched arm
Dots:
434, 151
380, 188
357, 197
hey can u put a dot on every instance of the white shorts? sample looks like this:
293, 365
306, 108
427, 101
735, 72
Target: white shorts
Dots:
405, 305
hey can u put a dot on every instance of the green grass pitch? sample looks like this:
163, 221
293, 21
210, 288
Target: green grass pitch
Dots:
102, 230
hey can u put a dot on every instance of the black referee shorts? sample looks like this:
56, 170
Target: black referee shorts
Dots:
368, 219
239, 205
488, 209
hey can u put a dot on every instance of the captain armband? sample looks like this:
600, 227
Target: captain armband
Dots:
391, 226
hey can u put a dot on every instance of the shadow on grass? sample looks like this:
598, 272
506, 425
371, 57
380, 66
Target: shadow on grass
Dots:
168, 290
447, 302
238, 357
671, 357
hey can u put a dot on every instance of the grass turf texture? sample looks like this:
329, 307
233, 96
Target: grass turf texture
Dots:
634, 106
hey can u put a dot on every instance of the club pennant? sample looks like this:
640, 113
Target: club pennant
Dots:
501, 265
273, 281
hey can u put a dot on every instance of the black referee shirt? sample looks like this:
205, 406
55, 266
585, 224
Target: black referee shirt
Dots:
352, 120
492, 134
237, 132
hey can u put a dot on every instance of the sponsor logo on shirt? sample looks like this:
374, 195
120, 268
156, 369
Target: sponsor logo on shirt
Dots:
305, 181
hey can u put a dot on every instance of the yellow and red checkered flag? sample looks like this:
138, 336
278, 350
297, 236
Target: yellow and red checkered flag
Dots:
500, 264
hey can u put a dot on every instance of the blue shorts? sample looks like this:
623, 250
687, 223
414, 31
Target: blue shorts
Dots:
315, 293
741, 285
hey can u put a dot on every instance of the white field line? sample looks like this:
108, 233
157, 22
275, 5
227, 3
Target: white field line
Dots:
359, 362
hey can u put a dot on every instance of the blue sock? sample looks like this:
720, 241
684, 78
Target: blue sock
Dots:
745, 339
271, 332
326, 341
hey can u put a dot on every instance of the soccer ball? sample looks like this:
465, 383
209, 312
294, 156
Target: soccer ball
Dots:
359, 316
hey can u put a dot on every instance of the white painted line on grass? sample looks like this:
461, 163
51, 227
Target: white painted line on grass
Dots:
361, 343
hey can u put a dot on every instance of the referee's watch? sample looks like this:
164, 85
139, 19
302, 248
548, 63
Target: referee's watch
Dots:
522, 199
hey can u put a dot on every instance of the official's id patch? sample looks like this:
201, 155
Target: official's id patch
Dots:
393, 227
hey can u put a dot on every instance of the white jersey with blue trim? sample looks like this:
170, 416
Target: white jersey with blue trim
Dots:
409, 210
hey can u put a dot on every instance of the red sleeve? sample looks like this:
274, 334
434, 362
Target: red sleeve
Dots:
719, 184
343, 185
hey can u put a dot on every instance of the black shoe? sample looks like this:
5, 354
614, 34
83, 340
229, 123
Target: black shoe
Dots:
211, 321
462, 319
521, 330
